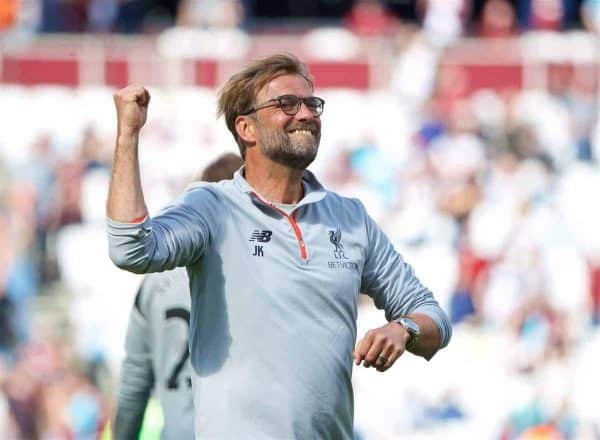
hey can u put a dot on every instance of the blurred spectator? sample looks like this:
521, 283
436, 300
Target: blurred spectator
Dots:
19, 283
580, 99
590, 15
40, 172
369, 18
140, 16
548, 15
49, 398
23, 394
444, 20
541, 125
375, 172
64, 16
331, 43
93, 152
9, 10
206, 29
102, 15
210, 14
353, 175
7, 331
414, 74
451, 85
498, 20
473, 272
70, 173
458, 156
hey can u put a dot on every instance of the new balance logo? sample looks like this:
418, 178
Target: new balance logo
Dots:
261, 236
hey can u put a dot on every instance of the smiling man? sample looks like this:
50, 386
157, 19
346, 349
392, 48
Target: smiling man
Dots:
276, 264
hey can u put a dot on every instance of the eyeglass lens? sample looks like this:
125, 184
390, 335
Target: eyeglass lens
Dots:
290, 104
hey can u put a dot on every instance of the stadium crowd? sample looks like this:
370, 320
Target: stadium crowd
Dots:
489, 195
473, 17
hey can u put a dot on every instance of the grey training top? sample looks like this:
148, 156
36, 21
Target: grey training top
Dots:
157, 358
274, 303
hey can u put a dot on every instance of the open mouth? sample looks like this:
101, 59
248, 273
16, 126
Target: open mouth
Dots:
301, 131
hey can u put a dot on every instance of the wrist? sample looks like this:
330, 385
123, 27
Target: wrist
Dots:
405, 334
127, 133
413, 331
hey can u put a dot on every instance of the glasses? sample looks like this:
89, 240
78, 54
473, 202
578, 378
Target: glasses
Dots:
290, 105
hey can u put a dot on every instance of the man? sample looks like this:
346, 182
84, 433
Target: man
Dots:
276, 264
156, 345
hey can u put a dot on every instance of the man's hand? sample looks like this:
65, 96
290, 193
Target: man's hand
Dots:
381, 346
132, 107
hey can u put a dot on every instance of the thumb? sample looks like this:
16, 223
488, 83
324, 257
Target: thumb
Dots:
144, 98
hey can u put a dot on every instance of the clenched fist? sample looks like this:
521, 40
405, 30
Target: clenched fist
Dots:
381, 347
132, 108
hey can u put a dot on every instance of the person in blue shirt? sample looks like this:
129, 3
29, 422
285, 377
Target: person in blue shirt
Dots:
276, 263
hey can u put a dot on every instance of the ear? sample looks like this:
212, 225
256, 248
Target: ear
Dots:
245, 129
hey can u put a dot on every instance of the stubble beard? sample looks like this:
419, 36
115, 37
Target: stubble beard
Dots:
279, 146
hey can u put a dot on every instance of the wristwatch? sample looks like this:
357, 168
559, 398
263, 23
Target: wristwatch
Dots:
413, 330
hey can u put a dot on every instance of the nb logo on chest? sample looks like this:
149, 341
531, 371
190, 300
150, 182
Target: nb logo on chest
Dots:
260, 237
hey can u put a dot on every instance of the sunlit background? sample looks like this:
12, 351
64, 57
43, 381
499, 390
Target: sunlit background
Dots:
469, 128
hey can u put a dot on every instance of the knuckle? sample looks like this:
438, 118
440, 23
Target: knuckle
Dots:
381, 337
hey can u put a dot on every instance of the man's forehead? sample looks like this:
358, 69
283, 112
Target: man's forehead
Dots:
286, 85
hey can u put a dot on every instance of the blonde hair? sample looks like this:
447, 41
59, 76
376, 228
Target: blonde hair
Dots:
238, 95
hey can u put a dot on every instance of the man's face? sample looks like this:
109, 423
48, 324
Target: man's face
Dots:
292, 141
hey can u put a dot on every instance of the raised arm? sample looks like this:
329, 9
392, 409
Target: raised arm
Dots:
179, 234
125, 197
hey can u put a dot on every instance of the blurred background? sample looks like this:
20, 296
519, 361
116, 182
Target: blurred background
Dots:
469, 128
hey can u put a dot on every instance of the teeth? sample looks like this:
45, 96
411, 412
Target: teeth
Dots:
302, 131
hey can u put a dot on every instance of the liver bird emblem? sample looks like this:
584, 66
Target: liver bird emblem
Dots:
335, 237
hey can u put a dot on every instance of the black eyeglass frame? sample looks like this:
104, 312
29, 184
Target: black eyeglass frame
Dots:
277, 102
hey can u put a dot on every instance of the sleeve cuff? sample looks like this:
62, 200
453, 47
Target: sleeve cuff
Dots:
442, 321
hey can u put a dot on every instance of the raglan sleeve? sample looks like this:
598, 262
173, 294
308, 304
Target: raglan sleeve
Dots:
177, 236
137, 374
393, 285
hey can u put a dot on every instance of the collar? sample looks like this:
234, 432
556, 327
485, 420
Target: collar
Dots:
313, 190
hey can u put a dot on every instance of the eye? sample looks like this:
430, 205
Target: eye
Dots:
313, 103
289, 102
